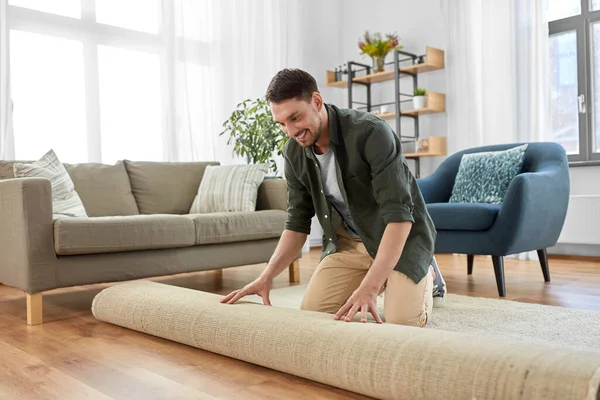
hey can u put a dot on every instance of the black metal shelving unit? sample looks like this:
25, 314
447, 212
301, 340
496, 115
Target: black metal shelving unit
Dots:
404, 65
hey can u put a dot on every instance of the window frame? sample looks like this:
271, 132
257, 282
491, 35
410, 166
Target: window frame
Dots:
582, 25
92, 34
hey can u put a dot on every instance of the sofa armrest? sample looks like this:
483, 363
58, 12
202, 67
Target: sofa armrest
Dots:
28, 259
272, 195
534, 210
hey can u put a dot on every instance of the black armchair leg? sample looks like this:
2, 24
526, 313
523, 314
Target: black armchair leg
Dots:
470, 258
543, 256
499, 271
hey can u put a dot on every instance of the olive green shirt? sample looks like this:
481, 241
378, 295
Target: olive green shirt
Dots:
375, 181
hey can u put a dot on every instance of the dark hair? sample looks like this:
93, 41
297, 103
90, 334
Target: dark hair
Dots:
291, 84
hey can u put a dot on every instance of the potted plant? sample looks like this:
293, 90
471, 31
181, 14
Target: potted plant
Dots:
254, 133
419, 98
378, 48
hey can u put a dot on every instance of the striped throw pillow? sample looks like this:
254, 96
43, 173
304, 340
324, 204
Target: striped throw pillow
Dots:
65, 200
229, 188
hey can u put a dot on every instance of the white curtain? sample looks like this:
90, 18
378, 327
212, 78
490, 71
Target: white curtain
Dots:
497, 73
533, 75
248, 42
210, 55
6, 128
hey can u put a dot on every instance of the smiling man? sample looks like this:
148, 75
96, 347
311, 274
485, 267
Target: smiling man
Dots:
346, 166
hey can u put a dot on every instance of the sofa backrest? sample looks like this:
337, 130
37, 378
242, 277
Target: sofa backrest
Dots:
6, 168
537, 155
165, 187
104, 189
132, 187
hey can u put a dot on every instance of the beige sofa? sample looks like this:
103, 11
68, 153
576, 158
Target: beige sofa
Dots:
138, 226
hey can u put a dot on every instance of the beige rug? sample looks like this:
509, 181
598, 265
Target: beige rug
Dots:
577, 329
382, 361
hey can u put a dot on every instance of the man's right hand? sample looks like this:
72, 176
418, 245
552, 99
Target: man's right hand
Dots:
259, 287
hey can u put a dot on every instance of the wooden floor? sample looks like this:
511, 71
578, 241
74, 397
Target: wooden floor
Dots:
73, 356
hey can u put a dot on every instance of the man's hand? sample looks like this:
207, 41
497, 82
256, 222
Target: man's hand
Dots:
362, 300
259, 287
286, 251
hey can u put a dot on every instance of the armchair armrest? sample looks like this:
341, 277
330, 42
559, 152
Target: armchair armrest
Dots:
272, 195
534, 210
437, 187
28, 259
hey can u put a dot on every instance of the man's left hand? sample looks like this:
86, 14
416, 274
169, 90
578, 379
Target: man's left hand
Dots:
363, 301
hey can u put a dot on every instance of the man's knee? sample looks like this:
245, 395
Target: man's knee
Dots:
398, 317
310, 303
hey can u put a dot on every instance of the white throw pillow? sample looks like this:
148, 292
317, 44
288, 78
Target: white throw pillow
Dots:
229, 188
65, 200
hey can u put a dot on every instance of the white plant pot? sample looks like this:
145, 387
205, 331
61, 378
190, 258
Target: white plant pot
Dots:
418, 102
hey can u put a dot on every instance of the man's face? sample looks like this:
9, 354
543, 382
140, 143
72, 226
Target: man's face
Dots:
299, 119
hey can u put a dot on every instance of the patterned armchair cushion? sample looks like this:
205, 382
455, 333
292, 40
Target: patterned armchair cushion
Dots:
484, 177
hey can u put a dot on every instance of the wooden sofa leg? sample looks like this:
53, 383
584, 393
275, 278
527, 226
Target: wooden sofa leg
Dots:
294, 269
34, 309
217, 277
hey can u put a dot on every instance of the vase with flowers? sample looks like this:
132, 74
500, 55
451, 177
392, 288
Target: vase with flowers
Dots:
377, 47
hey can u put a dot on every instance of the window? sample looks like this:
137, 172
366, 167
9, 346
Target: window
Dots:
67, 8
139, 15
574, 49
47, 81
92, 79
130, 120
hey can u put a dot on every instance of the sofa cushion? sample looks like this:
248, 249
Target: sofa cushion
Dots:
272, 195
104, 189
229, 188
165, 187
238, 226
122, 233
65, 199
463, 216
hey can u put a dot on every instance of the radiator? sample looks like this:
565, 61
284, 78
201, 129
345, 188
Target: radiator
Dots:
582, 225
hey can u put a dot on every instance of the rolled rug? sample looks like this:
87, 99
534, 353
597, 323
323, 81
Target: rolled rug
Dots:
379, 360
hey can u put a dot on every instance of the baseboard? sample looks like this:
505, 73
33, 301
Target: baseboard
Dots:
573, 258
575, 250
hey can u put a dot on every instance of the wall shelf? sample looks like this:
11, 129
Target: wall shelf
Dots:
435, 146
434, 103
434, 61
360, 74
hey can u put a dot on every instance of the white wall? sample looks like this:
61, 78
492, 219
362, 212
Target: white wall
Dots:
584, 182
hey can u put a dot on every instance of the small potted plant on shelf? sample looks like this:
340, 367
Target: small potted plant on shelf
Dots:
376, 47
419, 98
254, 133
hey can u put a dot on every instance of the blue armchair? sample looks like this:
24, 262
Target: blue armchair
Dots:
531, 216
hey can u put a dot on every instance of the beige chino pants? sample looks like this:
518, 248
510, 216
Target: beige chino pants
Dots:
339, 274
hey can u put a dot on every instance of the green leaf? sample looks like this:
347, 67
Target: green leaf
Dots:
255, 135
